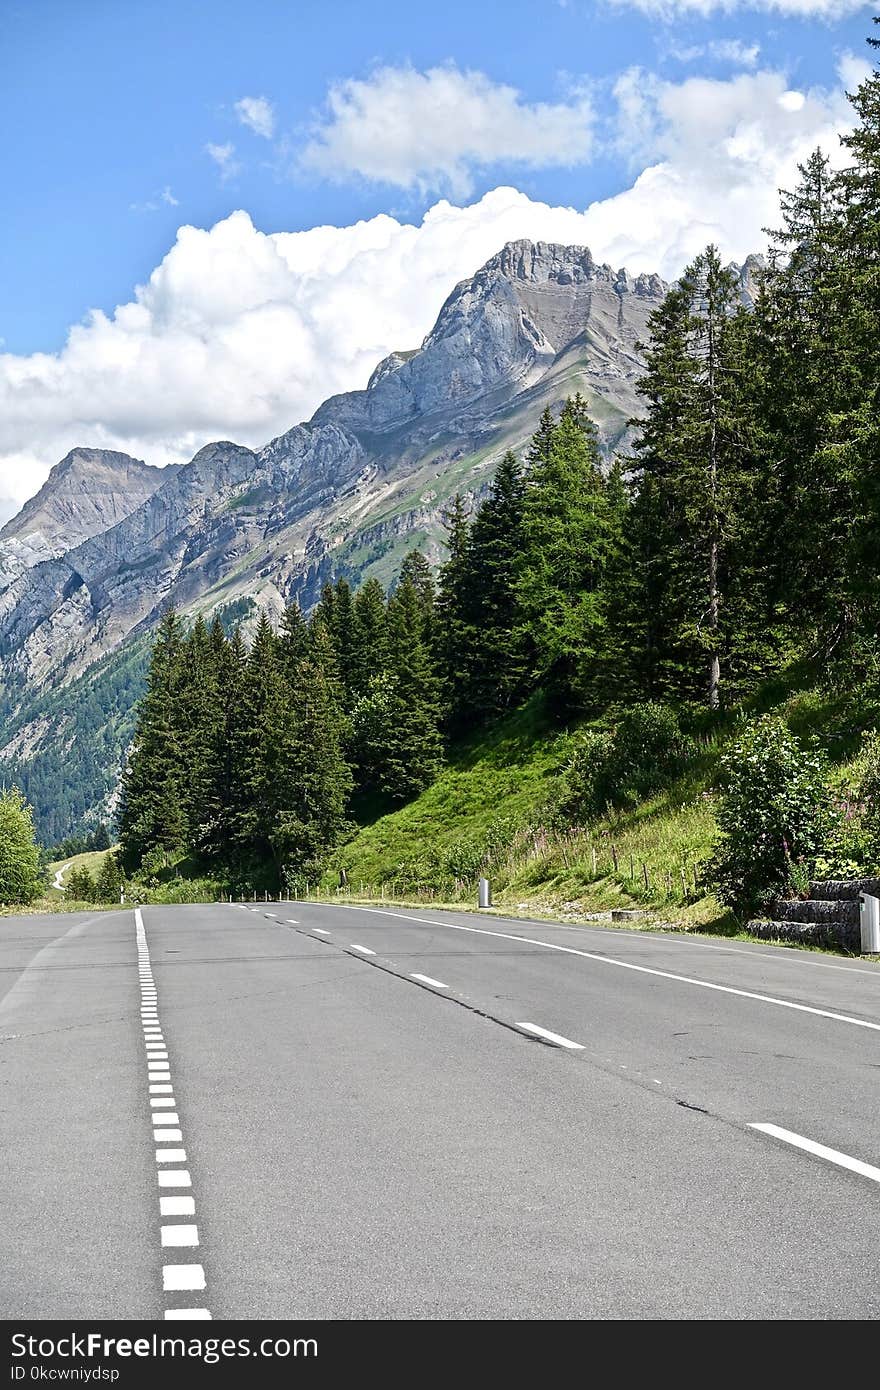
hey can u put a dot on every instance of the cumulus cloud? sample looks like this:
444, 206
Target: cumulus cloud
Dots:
224, 157
239, 334
430, 130
257, 114
828, 10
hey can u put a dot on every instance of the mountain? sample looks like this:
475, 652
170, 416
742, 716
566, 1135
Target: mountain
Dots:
345, 493
86, 493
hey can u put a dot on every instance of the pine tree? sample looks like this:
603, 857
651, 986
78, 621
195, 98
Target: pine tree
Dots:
694, 454
455, 635
413, 746
801, 381
493, 667
230, 756
370, 650
293, 638
151, 815
342, 635
108, 887
417, 569
565, 546
199, 715
855, 446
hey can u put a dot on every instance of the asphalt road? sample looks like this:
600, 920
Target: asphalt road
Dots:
357, 1116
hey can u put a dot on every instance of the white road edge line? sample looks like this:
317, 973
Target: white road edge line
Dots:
556, 1038
629, 965
853, 1165
166, 1131
426, 980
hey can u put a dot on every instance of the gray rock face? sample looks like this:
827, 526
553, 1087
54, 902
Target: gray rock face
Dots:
499, 332
88, 492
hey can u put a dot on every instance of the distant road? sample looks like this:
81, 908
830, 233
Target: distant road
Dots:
59, 875
384, 1113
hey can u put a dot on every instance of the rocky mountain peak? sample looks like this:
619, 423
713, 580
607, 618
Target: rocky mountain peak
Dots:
85, 494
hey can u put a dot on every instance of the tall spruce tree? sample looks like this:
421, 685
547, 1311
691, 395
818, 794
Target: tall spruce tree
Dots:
493, 665
454, 634
370, 646
855, 446
565, 530
413, 745
693, 452
151, 813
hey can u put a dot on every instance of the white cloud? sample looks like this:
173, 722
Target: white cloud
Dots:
853, 70
257, 114
796, 9
224, 157
430, 130
239, 334
153, 204
734, 51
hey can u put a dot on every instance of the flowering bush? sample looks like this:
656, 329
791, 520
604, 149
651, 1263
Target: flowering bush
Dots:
775, 814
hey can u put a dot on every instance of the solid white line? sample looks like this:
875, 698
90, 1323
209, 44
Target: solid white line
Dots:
628, 965
174, 1177
426, 980
176, 1277
555, 1038
180, 1235
171, 1155
364, 950
187, 1315
853, 1165
177, 1206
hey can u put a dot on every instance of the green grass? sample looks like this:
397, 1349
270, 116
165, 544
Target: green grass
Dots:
91, 860
490, 806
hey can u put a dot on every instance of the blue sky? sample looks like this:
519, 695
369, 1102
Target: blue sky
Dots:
332, 114
113, 103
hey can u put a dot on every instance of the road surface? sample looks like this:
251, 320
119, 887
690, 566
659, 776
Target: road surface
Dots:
397, 1114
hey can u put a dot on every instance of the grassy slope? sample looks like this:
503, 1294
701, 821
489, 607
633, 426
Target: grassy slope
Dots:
511, 774
91, 860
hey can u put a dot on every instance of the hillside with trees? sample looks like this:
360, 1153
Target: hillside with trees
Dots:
642, 622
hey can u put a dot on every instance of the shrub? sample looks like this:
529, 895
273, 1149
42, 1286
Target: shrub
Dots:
80, 886
20, 880
619, 767
774, 816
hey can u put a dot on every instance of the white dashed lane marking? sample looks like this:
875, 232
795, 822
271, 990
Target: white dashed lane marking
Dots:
555, 1038
364, 950
426, 980
841, 1160
167, 1132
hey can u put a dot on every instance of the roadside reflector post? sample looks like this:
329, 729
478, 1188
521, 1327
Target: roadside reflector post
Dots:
869, 921
485, 895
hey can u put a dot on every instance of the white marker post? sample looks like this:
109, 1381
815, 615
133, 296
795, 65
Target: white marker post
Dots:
869, 922
485, 898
